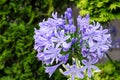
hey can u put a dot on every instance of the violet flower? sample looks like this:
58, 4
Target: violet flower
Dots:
99, 48
89, 66
51, 69
52, 53
57, 42
83, 22
74, 71
60, 39
70, 27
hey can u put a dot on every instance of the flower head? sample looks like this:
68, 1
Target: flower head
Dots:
88, 66
83, 22
51, 69
53, 54
59, 40
74, 71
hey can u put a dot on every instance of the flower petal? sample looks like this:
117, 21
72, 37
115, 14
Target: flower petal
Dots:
84, 62
95, 68
89, 72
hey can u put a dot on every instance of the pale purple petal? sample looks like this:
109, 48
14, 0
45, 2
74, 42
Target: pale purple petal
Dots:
53, 39
92, 49
95, 68
84, 62
89, 72
74, 71
90, 41
50, 70
72, 77
66, 73
80, 75
64, 58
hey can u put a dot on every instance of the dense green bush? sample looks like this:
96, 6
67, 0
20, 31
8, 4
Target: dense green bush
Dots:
18, 18
108, 71
100, 10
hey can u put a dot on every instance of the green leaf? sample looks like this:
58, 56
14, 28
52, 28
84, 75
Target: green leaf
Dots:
2, 1
113, 6
100, 4
84, 12
7, 78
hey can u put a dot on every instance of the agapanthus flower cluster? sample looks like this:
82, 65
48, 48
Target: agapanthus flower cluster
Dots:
59, 40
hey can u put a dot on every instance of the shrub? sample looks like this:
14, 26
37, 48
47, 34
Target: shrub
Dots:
100, 10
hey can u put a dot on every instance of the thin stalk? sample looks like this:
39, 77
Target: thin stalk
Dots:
116, 67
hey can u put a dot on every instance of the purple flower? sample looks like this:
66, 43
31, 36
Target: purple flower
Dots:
85, 51
74, 40
57, 37
97, 38
58, 21
93, 58
47, 28
70, 28
92, 34
52, 24
51, 69
74, 71
99, 48
83, 22
40, 56
53, 54
60, 39
41, 42
89, 66
68, 13
64, 58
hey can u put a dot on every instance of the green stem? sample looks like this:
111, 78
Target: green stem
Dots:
116, 67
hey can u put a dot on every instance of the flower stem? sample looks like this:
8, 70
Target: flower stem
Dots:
116, 67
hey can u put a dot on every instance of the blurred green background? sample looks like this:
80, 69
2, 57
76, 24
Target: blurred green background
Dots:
18, 18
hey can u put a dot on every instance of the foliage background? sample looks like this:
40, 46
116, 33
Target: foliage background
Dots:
100, 10
18, 18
